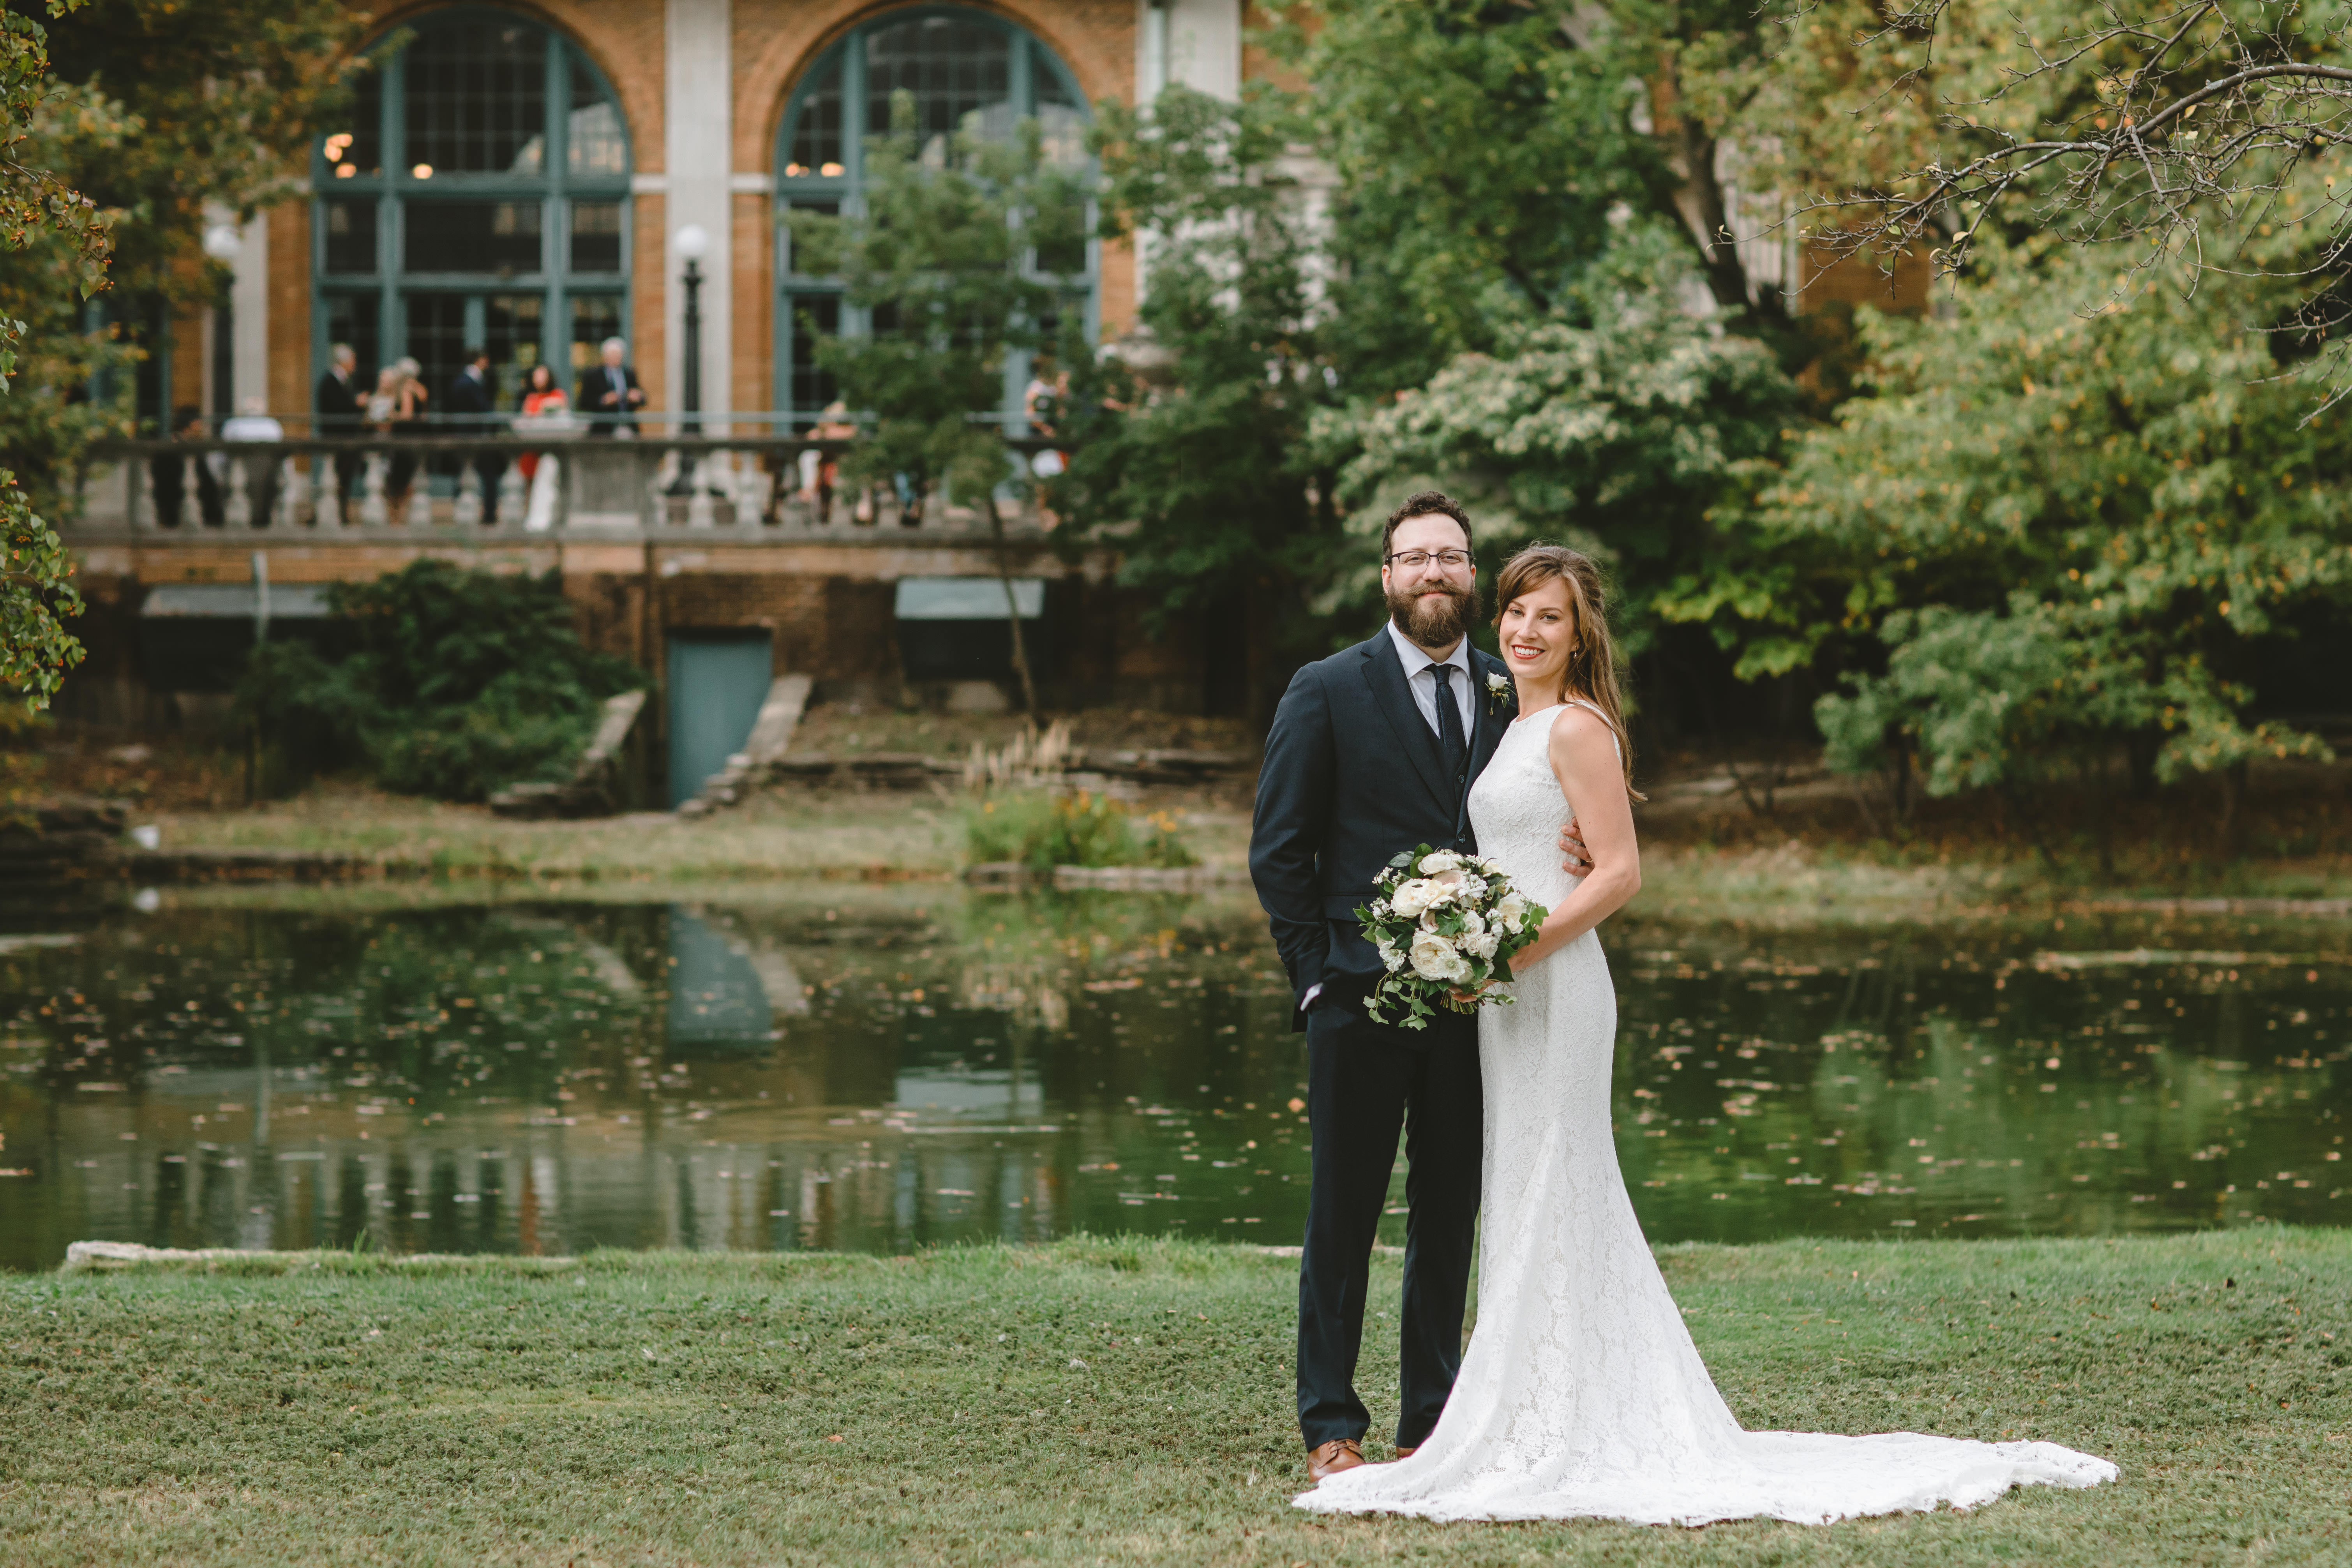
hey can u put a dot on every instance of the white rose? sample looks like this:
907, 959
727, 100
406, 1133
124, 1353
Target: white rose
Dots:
1439, 860
1511, 912
1434, 957
1482, 946
1411, 898
1472, 925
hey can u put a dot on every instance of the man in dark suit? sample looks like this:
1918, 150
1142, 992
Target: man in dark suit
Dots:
609, 393
1372, 752
472, 413
336, 403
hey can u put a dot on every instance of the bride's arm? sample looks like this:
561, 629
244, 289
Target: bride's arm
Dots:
1583, 757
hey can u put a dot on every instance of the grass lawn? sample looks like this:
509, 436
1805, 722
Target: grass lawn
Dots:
776, 834
1103, 1402
831, 834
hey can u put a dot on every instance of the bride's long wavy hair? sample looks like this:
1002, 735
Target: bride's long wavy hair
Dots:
1591, 671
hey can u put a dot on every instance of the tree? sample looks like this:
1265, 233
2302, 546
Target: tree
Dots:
2074, 537
462, 683
227, 98
965, 254
2188, 138
1486, 142
1620, 420
1188, 442
58, 233
118, 122
1465, 222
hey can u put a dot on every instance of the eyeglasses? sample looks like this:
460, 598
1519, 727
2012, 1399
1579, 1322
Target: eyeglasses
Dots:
1414, 560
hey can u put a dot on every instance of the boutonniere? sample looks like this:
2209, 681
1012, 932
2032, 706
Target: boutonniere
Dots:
1499, 694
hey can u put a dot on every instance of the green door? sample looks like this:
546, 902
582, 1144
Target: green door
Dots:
716, 682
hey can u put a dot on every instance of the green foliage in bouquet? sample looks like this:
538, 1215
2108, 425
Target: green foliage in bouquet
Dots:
1082, 829
463, 682
1444, 925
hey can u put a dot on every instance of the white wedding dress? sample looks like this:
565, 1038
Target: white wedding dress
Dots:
1581, 1394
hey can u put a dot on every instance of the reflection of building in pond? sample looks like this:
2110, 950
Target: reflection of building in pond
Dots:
459, 1079
1025, 992
726, 990
968, 1091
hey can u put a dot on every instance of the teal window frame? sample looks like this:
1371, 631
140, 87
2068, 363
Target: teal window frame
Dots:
554, 189
1027, 52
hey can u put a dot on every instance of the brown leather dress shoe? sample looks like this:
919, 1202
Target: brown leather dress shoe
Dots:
1340, 1454
1408, 1453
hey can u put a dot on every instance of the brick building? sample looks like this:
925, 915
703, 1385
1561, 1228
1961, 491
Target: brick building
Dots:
535, 179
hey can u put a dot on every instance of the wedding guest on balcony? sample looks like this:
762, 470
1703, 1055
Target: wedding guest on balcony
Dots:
397, 409
543, 400
253, 423
337, 404
824, 474
473, 413
609, 393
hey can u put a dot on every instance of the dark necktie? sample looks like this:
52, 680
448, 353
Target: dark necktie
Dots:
1450, 744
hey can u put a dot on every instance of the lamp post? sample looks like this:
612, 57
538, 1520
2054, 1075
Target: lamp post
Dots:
224, 245
693, 243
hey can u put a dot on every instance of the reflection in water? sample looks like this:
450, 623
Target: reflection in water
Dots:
884, 1068
725, 990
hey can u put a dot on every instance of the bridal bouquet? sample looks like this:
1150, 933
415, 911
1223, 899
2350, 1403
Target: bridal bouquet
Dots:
1444, 923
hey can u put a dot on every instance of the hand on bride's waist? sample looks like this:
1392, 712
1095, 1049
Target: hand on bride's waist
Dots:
1480, 991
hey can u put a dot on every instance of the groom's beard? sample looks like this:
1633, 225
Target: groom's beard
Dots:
1430, 619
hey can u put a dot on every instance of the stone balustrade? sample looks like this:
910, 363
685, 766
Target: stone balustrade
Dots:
383, 489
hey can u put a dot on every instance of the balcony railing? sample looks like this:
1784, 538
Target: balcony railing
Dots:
457, 488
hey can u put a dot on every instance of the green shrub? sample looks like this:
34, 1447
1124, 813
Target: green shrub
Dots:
1043, 830
462, 683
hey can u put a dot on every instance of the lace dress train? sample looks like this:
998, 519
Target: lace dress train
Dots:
1580, 1394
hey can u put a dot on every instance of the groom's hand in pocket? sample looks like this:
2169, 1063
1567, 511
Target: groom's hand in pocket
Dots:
1574, 857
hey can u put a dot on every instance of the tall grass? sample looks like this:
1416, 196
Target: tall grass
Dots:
1042, 828
1022, 810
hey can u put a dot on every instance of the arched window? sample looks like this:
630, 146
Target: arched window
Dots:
480, 197
967, 73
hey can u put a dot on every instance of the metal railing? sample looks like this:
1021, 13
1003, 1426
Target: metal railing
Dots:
375, 487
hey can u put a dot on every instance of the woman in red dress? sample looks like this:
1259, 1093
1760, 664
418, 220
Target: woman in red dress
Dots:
541, 395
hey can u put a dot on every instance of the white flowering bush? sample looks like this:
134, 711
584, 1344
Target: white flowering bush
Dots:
1444, 923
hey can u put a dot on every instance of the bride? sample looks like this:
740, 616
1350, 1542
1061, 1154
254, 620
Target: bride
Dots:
1581, 1394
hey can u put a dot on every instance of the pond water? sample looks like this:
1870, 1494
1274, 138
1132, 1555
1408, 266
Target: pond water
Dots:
881, 1068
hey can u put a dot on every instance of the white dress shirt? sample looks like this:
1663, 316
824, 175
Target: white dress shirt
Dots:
1423, 685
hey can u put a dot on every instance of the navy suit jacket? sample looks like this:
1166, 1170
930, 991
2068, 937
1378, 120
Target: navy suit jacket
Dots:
595, 386
469, 395
1352, 777
338, 405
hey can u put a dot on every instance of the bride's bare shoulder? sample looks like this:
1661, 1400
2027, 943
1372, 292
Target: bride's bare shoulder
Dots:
1579, 733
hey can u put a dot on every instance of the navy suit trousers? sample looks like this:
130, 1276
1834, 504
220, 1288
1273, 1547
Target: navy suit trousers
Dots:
1363, 1088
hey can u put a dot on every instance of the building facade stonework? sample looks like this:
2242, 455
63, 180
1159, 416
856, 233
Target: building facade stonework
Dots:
519, 180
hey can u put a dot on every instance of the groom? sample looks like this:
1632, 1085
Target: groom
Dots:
1372, 752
